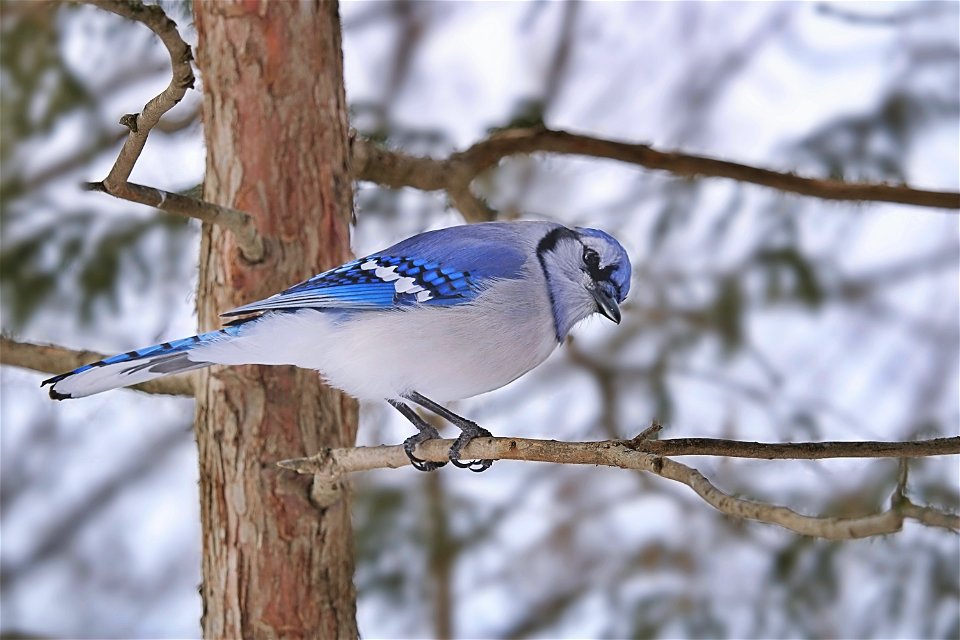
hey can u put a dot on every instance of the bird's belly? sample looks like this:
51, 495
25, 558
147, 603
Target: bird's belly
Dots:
442, 355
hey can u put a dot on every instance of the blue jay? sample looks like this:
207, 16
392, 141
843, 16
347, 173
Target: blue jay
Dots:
446, 314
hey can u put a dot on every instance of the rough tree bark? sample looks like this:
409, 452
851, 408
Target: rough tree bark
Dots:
277, 561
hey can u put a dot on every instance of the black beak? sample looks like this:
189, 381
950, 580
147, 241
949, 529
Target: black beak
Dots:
606, 305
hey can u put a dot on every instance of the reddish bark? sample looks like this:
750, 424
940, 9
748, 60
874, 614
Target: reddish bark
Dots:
276, 563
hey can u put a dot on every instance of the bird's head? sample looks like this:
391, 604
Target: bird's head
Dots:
587, 272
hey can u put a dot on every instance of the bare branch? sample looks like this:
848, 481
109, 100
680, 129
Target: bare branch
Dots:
394, 169
372, 162
240, 223
139, 125
928, 515
795, 450
156, 20
384, 456
647, 455
52, 359
831, 528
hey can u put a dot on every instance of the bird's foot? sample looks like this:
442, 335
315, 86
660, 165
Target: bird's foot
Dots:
410, 444
468, 433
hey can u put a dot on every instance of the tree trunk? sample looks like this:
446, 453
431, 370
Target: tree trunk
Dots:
276, 561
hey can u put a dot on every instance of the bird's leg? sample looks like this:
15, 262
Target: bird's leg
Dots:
468, 431
424, 432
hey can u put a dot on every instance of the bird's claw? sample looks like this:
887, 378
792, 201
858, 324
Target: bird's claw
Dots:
410, 444
477, 466
424, 465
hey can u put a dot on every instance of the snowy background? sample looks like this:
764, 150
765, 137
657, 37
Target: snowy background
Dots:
753, 315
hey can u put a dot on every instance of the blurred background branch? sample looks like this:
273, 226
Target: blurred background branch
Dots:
454, 174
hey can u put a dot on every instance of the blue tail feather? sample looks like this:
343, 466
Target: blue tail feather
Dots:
149, 362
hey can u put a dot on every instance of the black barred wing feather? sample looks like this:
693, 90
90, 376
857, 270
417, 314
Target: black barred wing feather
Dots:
371, 283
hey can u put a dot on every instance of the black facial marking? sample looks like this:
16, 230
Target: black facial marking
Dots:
591, 264
591, 259
549, 241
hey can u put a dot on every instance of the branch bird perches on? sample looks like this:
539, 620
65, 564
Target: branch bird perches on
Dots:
643, 454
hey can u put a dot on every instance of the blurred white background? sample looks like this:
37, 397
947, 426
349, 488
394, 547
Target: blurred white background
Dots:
753, 315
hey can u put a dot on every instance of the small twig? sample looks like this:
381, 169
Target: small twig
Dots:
332, 462
899, 495
154, 18
140, 124
900, 502
52, 359
240, 223
394, 169
650, 433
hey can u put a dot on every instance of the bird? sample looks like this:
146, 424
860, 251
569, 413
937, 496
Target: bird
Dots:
443, 315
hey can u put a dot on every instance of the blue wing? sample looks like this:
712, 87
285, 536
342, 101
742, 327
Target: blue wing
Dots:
437, 268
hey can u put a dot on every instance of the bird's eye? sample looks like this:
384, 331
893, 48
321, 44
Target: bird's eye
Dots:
591, 258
